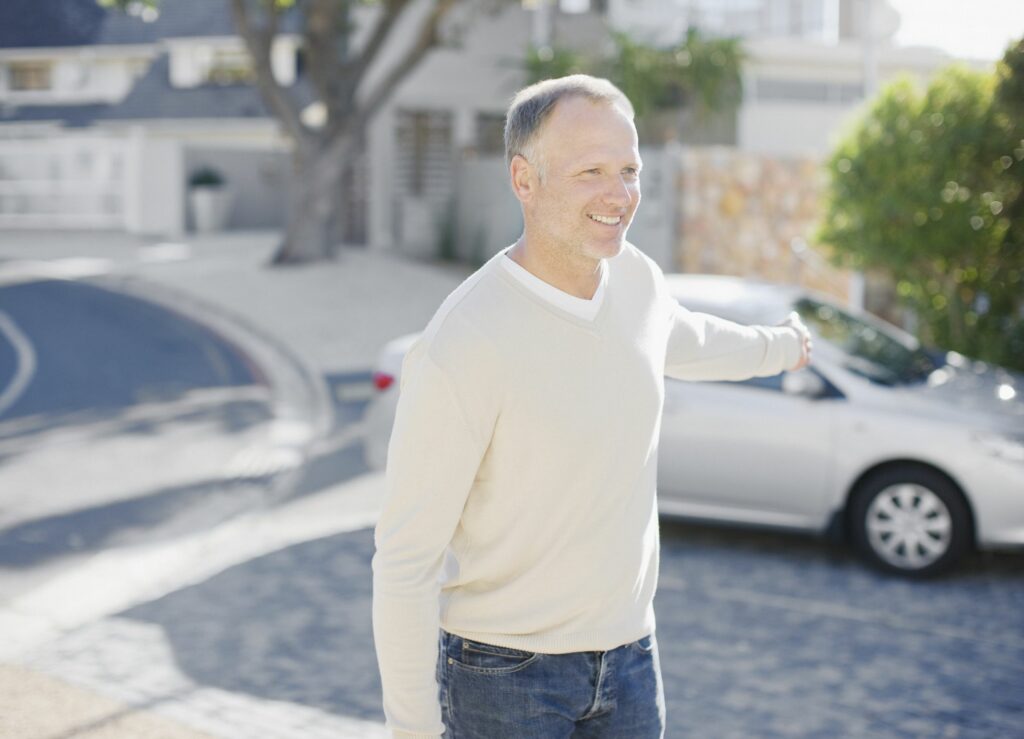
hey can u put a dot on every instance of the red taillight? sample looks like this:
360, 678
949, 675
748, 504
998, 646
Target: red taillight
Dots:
382, 381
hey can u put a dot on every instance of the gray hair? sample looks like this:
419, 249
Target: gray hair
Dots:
532, 105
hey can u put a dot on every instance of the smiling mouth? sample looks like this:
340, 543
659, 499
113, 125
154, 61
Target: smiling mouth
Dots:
606, 220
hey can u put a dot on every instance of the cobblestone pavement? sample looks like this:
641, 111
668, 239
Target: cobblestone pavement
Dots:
760, 635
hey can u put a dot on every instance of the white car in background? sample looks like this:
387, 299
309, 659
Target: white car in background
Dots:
915, 460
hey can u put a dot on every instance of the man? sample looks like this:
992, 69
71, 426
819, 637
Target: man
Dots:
517, 551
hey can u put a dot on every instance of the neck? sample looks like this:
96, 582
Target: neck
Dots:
576, 274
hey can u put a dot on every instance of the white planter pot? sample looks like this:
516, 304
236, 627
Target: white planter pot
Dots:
211, 207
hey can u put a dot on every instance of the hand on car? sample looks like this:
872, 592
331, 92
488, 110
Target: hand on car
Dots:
793, 321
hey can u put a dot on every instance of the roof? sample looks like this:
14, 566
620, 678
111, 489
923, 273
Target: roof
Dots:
153, 97
68, 115
72, 23
56, 23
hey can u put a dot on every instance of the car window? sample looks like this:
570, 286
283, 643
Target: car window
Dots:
870, 351
764, 383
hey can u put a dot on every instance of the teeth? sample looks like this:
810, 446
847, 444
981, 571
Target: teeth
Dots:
609, 220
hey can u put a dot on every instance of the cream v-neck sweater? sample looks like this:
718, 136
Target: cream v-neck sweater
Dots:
577, 306
520, 484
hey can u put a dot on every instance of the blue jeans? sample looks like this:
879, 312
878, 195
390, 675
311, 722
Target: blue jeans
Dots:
491, 692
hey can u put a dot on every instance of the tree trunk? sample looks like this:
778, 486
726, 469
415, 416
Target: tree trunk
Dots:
314, 206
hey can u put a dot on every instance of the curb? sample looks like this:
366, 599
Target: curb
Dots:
299, 393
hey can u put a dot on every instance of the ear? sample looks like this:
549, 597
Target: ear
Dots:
524, 178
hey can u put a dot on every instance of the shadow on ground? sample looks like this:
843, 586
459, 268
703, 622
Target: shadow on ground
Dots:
294, 625
759, 634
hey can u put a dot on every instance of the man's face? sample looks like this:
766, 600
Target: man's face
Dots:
591, 183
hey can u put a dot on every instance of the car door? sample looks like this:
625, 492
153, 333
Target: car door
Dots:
747, 451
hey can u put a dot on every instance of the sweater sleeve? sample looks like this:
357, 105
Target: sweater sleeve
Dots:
436, 445
706, 347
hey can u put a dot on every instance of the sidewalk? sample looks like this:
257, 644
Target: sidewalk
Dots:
75, 665
35, 706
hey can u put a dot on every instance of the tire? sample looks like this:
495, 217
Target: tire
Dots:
910, 520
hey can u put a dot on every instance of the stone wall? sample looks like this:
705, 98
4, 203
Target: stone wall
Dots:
752, 216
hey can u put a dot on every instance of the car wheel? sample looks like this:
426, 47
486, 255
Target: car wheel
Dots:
910, 520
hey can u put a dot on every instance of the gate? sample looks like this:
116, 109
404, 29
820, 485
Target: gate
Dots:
74, 181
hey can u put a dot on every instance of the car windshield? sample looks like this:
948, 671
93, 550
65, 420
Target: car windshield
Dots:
870, 352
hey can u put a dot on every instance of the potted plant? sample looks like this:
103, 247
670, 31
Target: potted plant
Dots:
211, 199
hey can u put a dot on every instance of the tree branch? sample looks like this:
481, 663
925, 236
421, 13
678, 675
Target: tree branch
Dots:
392, 10
343, 135
425, 41
324, 26
342, 105
259, 42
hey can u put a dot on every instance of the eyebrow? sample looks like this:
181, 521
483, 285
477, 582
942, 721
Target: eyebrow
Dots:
598, 165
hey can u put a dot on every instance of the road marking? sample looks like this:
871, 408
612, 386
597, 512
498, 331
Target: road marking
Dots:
32, 270
164, 252
26, 362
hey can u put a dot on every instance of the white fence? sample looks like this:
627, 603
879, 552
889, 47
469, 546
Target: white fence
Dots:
104, 181
65, 182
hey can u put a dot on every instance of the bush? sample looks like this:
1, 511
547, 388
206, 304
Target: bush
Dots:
206, 177
920, 189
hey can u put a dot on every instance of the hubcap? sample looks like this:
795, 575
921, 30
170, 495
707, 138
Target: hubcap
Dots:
909, 526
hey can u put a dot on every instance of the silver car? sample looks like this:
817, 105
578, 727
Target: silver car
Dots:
914, 458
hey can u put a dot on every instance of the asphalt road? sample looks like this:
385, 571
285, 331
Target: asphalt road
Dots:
120, 420
95, 349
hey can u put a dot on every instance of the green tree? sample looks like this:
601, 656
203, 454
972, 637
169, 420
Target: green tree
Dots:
546, 62
698, 71
1010, 101
919, 189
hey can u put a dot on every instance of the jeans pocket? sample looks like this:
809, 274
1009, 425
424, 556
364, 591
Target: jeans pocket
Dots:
489, 658
644, 645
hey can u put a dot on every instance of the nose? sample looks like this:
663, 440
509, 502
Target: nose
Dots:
620, 192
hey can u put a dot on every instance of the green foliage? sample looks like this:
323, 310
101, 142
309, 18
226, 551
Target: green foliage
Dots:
701, 71
708, 69
919, 188
1010, 76
1010, 99
547, 62
206, 177
447, 233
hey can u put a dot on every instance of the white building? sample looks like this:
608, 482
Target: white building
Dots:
104, 115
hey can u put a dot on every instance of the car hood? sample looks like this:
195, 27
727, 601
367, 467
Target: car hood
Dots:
976, 388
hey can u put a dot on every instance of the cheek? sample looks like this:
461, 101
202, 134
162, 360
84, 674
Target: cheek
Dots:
634, 193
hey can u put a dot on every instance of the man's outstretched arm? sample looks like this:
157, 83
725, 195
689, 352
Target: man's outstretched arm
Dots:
706, 347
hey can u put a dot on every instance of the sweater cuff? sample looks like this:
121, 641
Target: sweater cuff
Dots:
399, 734
791, 343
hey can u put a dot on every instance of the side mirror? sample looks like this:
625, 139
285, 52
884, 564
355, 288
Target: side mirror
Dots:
803, 382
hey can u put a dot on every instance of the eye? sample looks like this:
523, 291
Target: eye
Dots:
595, 170
632, 171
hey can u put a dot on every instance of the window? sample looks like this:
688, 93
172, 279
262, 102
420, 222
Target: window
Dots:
30, 75
490, 133
230, 67
424, 143
869, 351
806, 91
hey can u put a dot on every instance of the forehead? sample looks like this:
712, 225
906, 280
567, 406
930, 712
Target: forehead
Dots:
579, 129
